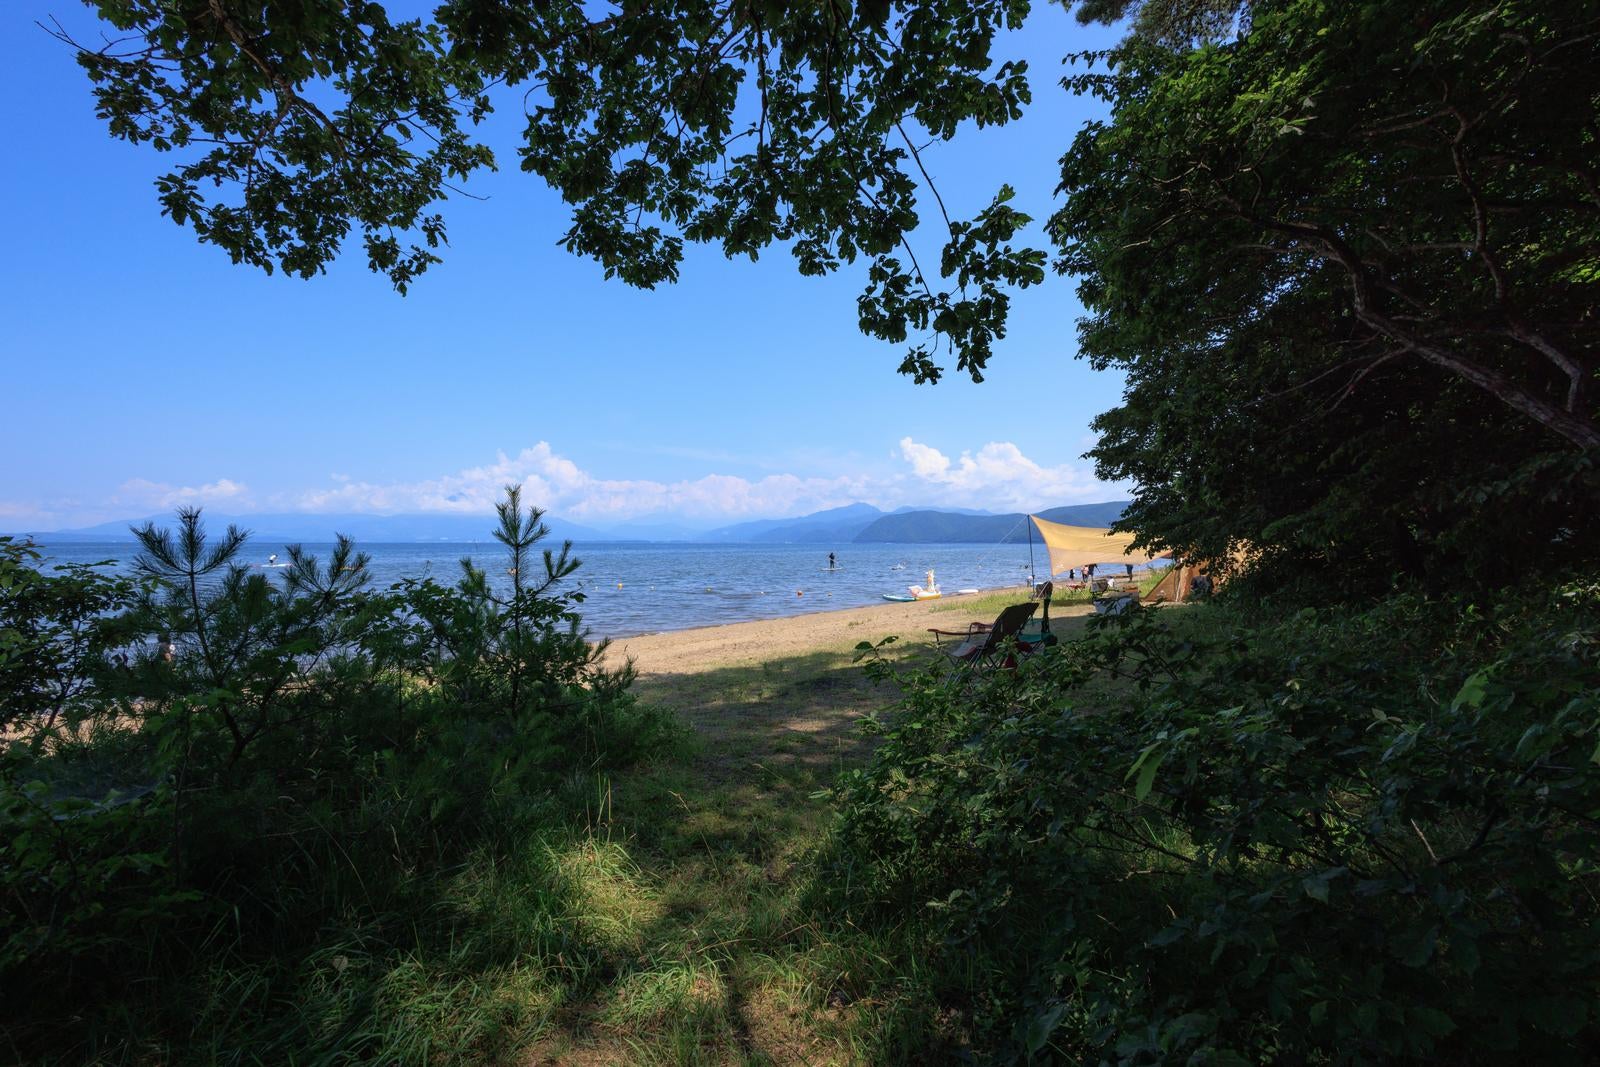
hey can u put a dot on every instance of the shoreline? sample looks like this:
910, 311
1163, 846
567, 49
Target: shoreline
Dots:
951, 598
836, 630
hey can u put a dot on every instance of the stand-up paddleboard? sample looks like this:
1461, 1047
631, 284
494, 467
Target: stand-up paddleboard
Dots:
899, 598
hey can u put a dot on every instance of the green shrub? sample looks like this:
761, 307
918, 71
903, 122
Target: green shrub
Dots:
286, 758
1340, 835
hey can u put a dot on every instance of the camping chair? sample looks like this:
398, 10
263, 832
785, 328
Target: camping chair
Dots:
1116, 603
1031, 639
980, 641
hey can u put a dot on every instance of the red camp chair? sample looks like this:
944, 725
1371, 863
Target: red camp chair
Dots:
978, 643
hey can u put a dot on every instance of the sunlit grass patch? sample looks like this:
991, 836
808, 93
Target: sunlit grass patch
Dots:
668, 988
610, 899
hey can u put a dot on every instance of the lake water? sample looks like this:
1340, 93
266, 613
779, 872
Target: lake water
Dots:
646, 588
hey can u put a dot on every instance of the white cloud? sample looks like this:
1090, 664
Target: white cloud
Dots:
559, 485
18, 513
139, 492
999, 476
996, 476
926, 462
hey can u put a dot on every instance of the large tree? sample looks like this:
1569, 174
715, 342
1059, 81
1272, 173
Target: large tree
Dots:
1350, 260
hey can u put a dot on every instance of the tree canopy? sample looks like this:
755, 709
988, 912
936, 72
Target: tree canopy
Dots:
1348, 261
299, 124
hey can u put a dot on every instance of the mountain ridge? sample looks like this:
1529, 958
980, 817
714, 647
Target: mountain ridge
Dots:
932, 527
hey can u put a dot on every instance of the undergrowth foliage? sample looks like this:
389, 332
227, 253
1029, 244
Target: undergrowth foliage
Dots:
205, 764
1353, 834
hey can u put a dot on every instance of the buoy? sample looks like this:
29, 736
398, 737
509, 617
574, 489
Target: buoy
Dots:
619, 585
799, 592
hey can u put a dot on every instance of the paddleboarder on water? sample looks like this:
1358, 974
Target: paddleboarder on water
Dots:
830, 561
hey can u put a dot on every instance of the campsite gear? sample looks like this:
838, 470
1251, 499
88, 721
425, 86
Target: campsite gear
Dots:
980, 641
1116, 603
1030, 639
1081, 547
1180, 583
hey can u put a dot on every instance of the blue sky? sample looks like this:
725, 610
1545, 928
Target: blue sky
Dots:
143, 370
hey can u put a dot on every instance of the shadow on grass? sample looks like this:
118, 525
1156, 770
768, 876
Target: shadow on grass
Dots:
676, 926
723, 958
664, 918
725, 965
794, 713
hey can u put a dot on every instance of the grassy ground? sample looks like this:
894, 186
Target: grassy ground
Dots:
666, 923
697, 871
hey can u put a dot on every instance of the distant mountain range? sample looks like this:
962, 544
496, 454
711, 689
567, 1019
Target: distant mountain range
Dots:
836, 525
853, 523
932, 527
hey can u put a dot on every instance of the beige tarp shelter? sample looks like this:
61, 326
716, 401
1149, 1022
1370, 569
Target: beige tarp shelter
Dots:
1072, 547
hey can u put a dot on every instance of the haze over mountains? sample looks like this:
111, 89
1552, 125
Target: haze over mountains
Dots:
853, 523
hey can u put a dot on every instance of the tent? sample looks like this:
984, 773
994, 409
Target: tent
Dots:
1072, 547
1174, 587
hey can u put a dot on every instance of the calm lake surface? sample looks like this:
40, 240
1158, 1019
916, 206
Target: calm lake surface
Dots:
638, 588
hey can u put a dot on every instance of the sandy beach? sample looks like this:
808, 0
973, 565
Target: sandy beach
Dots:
753, 643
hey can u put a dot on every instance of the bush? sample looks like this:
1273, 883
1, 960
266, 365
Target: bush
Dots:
283, 758
1338, 835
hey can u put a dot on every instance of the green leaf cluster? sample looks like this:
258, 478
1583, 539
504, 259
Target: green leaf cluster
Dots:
302, 124
1340, 259
1327, 835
